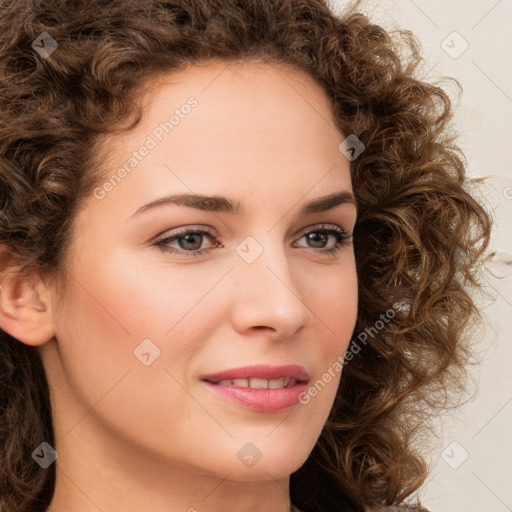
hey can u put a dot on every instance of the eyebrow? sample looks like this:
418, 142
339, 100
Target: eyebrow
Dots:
225, 205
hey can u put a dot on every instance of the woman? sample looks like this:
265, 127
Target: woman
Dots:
238, 252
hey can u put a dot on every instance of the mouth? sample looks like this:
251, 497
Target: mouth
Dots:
260, 377
261, 388
258, 383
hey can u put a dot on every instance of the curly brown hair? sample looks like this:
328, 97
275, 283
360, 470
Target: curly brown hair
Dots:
420, 239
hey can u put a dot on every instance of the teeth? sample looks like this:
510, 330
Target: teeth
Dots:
257, 383
276, 383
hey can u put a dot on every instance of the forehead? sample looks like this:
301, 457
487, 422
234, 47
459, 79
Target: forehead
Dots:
239, 100
230, 125
239, 81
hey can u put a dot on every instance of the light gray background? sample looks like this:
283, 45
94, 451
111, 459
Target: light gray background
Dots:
479, 430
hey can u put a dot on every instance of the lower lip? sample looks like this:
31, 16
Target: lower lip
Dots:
262, 400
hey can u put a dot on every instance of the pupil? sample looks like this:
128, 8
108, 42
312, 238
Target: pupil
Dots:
314, 237
189, 239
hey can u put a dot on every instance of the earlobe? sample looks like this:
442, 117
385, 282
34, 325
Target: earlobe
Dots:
25, 309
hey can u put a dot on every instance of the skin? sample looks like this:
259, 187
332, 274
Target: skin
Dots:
132, 437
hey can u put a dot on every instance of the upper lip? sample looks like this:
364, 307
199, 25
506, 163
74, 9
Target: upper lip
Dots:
299, 373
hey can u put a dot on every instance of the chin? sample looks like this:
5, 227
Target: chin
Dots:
264, 459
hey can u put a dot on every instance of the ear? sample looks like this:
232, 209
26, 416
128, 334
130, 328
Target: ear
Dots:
25, 307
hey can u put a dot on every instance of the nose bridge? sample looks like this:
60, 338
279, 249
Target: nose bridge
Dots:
268, 290
264, 258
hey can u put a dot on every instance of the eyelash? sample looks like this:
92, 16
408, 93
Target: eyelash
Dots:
342, 240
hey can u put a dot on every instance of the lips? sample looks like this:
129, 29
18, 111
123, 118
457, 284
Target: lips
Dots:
260, 388
261, 372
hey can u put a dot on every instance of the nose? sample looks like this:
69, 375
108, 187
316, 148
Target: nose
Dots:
269, 294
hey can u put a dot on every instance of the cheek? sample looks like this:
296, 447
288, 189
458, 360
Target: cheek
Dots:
334, 306
119, 300
155, 299
112, 306
126, 294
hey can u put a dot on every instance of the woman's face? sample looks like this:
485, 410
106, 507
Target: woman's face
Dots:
147, 319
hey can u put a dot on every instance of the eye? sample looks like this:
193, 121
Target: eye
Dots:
189, 241
319, 237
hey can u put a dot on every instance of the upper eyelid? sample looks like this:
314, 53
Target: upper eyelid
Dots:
183, 230
323, 225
